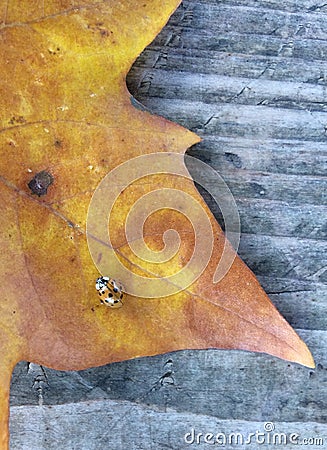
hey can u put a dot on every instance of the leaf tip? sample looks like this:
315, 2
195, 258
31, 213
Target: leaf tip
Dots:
306, 358
302, 355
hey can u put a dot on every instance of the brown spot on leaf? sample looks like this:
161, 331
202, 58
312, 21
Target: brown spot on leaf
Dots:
99, 27
58, 143
40, 182
15, 120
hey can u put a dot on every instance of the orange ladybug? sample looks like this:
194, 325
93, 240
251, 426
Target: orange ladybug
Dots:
110, 292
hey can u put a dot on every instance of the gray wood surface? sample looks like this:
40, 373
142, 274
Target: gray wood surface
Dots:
250, 77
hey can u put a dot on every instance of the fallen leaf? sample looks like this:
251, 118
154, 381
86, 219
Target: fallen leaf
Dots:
67, 119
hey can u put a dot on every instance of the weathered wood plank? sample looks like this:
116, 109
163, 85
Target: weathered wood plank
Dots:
125, 425
273, 285
287, 6
253, 44
195, 376
269, 155
216, 89
267, 217
225, 64
224, 17
242, 120
291, 189
306, 309
285, 257
302, 302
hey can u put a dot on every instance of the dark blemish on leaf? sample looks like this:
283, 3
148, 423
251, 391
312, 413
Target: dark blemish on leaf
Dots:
99, 27
17, 120
104, 33
234, 159
40, 182
58, 143
54, 52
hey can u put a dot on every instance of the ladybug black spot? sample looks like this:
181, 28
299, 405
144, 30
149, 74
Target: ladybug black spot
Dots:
40, 182
110, 295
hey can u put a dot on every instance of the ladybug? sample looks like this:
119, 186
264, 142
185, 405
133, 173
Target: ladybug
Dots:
110, 292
